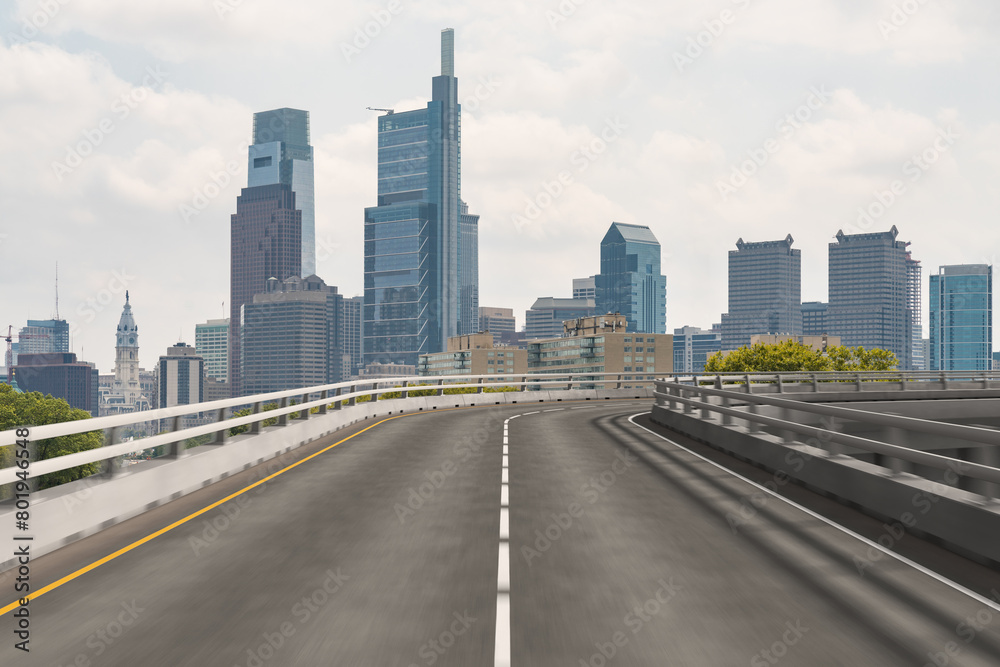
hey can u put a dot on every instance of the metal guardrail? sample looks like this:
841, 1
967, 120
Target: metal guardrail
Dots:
905, 379
698, 395
324, 397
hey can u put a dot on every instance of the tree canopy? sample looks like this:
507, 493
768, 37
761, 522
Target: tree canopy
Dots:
792, 355
33, 409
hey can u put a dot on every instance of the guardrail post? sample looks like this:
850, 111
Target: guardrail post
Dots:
255, 427
324, 395
283, 419
727, 420
688, 408
747, 380
706, 400
440, 389
618, 384
944, 380
781, 387
304, 414
111, 467
479, 389
220, 436
336, 399
405, 393
857, 381
177, 448
752, 426
524, 383
815, 383
718, 382
353, 400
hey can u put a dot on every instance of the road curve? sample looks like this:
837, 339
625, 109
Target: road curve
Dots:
624, 549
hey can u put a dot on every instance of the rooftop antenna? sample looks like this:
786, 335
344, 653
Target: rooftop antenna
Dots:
57, 291
388, 112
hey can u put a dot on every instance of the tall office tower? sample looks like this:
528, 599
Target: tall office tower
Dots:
918, 360
211, 340
546, 316
875, 293
281, 154
266, 243
44, 336
182, 376
350, 335
630, 281
961, 318
814, 321
692, 348
765, 293
290, 336
585, 288
497, 320
421, 244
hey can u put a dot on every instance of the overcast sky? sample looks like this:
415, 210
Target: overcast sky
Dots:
120, 122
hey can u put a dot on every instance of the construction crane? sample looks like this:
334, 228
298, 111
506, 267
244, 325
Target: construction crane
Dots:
9, 360
388, 112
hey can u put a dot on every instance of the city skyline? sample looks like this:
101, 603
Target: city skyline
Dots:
567, 126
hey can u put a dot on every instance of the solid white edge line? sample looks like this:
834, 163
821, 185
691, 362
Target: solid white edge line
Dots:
501, 634
875, 545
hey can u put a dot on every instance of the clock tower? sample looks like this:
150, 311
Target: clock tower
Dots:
127, 356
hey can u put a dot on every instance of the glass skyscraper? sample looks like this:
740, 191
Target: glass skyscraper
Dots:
421, 244
281, 154
765, 291
961, 318
875, 294
630, 282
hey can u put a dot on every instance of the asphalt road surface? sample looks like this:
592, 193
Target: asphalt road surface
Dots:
624, 549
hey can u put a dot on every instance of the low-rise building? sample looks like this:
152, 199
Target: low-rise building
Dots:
474, 354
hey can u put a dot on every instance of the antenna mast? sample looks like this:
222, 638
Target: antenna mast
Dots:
57, 291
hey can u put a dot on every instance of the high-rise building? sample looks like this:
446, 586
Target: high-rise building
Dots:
546, 316
62, 376
421, 244
585, 288
875, 294
211, 340
290, 336
497, 320
44, 336
182, 376
630, 281
281, 154
814, 321
961, 318
266, 243
692, 348
765, 293
350, 335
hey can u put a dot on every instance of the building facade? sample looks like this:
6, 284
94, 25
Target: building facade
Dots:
290, 336
181, 373
620, 353
875, 294
630, 281
814, 319
421, 243
62, 376
266, 243
44, 336
765, 291
281, 154
211, 340
351, 340
961, 318
585, 288
126, 393
692, 348
546, 316
497, 321
474, 354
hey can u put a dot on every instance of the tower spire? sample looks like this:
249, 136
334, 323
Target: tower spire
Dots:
448, 52
57, 292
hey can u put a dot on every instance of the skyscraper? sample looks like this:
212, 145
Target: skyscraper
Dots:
266, 243
281, 154
875, 293
630, 281
765, 291
350, 335
291, 336
42, 336
421, 244
961, 318
211, 340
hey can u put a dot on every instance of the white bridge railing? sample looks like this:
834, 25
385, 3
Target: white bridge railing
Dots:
338, 396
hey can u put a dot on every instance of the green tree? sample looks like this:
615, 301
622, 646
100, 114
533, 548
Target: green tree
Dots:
791, 356
33, 409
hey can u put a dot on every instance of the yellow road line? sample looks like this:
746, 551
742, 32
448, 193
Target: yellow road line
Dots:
138, 543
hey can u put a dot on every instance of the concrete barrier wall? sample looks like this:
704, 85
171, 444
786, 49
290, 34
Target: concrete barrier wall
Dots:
962, 521
70, 512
